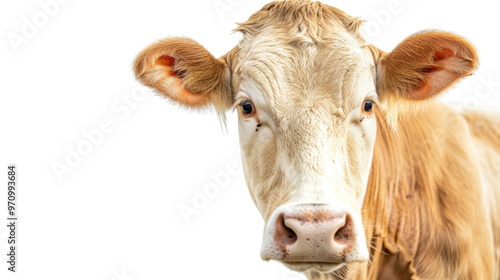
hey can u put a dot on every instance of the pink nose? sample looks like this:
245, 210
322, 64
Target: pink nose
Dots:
314, 235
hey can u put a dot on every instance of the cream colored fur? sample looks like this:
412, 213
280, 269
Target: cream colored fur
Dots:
422, 176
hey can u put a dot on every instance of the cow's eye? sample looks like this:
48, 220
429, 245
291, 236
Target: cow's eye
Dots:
368, 106
247, 107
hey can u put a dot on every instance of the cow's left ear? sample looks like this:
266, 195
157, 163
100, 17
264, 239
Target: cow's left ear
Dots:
424, 65
186, 73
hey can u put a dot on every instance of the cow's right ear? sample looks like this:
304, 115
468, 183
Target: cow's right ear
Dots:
185, 72
424, 65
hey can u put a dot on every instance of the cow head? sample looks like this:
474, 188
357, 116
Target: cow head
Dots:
309, 92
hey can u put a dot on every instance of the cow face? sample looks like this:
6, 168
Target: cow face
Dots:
307, 129
309, 92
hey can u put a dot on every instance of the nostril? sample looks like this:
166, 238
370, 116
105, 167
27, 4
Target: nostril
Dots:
284, 235
345, 234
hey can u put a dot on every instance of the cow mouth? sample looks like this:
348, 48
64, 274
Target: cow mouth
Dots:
323, 267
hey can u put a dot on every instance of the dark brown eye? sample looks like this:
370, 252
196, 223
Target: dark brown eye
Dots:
247, 107
368, 106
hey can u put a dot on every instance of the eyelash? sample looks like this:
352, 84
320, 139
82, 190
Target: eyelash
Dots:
239, 104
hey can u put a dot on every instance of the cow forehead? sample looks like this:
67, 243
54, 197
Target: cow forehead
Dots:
301, 20
326, 76
304, 53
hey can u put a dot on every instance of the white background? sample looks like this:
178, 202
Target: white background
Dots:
116, 215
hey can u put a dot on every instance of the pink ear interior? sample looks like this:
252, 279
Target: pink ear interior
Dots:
440, 55
444, 71
173, 79
169, 63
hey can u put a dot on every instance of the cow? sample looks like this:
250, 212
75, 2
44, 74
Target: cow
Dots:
357, 169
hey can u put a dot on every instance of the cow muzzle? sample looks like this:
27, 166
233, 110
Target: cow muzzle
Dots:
314, 236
